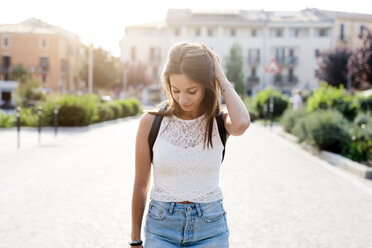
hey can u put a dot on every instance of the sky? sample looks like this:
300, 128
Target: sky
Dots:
103, 22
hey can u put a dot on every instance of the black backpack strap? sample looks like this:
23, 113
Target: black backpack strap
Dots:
154, 132
222, 131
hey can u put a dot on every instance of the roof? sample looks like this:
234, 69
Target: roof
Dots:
36, 26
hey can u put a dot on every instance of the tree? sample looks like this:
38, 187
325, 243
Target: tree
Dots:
234, 68
362, 63
333, 67
137, 75
106, 68
19, 73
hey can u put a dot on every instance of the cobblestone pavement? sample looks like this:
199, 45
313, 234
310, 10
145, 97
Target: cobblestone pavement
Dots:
76, 192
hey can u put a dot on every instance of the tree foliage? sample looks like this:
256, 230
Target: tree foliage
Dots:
234, 68
333, 67
362, 62
106, 68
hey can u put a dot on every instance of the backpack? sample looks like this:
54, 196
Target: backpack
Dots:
156, 126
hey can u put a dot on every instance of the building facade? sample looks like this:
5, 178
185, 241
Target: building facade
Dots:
293, 39
52, 55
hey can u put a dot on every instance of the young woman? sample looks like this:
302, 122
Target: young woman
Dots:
186, 201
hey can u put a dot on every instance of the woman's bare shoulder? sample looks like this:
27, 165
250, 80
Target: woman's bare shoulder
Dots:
146, 121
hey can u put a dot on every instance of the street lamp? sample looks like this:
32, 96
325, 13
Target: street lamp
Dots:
349, 70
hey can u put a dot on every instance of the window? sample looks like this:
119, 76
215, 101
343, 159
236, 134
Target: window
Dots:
321, 32
177, 32
279, 54
44, 63
197, 32
317, 53
342, 27
210, 32
253, 55
44, 43
293, 32
279, 32
5, 62
254, 33
44, 78
361, 31
5, 42
232, 32
253, 72
133, 53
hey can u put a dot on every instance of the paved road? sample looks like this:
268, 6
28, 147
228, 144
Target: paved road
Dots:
76, 192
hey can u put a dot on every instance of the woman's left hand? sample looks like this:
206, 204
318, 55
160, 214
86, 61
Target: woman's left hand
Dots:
218, 72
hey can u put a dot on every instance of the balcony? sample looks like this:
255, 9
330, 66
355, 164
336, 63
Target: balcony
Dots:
253, 80
287, 61
253, 61
280, 80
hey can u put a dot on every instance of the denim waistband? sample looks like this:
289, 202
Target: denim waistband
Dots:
171, 206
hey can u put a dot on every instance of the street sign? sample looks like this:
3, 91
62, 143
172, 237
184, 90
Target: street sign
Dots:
272, 67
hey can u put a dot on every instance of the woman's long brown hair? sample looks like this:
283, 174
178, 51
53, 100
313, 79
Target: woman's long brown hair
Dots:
195, 62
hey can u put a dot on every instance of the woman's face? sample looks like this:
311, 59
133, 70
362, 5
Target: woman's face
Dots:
186, 92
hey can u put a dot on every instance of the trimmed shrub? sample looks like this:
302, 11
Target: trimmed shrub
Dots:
281, 102
300, 128
77, 110
328, 97
290, 117
105, 112
325, 129
135, 106
126, 108
365, 103
359, 147
116, 110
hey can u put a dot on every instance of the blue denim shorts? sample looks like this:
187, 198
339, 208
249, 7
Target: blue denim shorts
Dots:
172, 224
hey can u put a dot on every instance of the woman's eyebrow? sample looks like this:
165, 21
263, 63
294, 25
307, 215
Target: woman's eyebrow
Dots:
186, 89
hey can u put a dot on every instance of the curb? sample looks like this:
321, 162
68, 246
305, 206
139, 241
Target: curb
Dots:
330, 157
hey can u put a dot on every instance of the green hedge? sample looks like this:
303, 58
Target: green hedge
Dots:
248, 101
74, 111
6, 120
328, 97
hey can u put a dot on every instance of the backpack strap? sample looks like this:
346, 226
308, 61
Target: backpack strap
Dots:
154, 132
222, 132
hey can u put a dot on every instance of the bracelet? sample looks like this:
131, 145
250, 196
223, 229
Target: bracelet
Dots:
228, 85
137, 242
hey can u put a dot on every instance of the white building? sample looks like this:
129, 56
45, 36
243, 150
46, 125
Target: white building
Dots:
293, 38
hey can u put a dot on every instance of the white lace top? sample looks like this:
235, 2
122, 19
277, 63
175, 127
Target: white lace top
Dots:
182, 170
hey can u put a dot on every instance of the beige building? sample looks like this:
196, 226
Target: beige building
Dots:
52, 54
348, 28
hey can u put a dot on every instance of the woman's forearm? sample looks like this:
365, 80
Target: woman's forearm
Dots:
138, 207
237, 111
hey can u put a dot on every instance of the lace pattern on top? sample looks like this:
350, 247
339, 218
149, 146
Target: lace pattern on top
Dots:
182, 170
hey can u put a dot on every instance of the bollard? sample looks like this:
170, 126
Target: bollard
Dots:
265, 113
18, 115
271, 109
39, 112
55, 120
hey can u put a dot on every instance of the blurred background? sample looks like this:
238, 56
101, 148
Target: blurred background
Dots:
75, 76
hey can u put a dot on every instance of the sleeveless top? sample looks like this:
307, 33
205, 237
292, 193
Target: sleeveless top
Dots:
182, 170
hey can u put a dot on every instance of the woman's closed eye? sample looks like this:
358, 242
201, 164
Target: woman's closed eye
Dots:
192, 93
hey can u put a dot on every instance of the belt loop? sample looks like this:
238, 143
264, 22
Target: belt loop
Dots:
198, 208
171, 208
